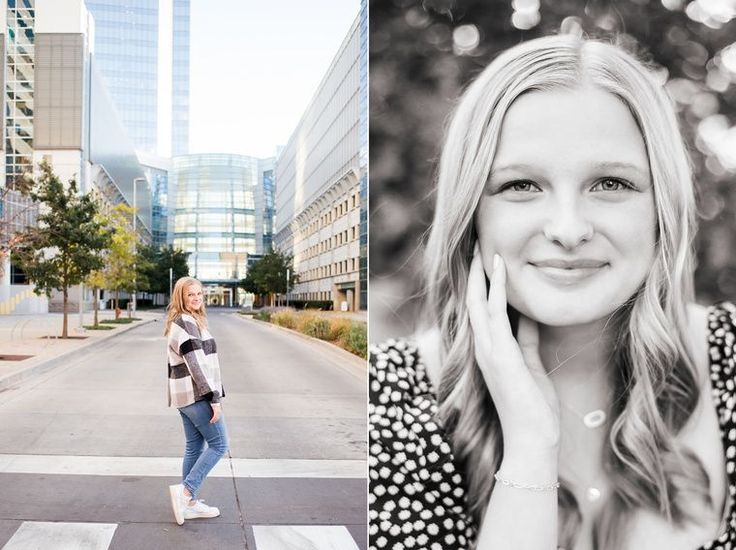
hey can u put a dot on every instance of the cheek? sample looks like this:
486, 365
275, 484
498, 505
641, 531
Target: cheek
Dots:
503, 229
632, 230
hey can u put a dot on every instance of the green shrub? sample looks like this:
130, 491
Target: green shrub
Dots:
120, 320
263, 316
285, 318
355, 340
316, 327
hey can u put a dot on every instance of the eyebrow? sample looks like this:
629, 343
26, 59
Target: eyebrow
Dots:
604, 165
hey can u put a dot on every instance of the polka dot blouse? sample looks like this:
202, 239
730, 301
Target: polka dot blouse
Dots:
417, 499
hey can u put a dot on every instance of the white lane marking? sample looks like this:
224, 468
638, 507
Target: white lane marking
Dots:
42, 535
171, 466
303, 537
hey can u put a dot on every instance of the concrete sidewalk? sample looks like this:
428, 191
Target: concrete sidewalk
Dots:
38, 336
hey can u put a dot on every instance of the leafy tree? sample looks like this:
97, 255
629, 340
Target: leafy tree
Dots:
154, 264
66, 245
268, 275
119, 272
96, 281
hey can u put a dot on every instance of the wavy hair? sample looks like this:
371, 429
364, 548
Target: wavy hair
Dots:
655, 377
176, 306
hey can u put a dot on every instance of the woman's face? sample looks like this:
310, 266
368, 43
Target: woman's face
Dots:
193, 297
569, 206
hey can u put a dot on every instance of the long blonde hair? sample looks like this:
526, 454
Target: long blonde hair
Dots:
176, 306
655, 377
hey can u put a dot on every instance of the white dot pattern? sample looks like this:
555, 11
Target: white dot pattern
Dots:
417, 495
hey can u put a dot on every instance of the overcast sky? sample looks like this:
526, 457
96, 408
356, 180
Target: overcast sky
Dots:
255, 66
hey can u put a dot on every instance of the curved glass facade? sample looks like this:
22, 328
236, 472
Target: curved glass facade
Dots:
215, 218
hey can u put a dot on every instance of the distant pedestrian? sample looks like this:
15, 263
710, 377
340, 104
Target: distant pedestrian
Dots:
195, 388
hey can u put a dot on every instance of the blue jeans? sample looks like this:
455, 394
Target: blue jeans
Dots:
198, 460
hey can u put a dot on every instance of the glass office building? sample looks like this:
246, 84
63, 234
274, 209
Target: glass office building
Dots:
180, 79
322, 183
363, 153
221, 215
142, 50
19, 87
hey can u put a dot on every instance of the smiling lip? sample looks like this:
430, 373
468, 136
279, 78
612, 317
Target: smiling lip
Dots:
581, 263
569, 271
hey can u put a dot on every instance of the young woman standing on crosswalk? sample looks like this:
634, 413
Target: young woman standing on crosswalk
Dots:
195, 388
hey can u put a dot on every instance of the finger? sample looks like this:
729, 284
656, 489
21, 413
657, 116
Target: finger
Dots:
475, 296
528, 338
499, 319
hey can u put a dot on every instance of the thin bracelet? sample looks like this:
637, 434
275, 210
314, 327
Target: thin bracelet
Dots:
508, 483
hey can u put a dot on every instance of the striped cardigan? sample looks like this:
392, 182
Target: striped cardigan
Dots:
194, 370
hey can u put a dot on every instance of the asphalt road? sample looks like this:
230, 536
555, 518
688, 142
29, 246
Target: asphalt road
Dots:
87, 451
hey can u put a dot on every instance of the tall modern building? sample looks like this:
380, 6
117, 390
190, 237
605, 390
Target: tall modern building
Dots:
57, 108
222, 211
142, 47
321, 182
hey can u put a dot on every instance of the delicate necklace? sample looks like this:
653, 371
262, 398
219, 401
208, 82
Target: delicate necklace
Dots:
593, 492
592, 420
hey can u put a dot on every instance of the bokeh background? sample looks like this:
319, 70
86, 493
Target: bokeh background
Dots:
423, 54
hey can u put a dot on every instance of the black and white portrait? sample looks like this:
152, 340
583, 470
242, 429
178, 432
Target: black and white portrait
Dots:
551, 268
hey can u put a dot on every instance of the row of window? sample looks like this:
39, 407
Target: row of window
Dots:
215, 244
22, 94
336, 268
213, 199
338, 239
20, 160
19, 86
17, 151
322, 296
329, 216
237, 223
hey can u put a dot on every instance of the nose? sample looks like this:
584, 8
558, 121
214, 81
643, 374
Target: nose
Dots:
567, 224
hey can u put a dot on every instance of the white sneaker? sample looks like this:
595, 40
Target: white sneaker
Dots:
178, 502
200, 510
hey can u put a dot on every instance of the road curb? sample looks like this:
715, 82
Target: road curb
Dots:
357, 361
7, 382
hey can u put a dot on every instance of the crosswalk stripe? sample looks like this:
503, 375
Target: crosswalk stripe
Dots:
303, 537
171, 466
42, 535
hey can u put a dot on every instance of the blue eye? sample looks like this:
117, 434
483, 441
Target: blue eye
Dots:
611, 184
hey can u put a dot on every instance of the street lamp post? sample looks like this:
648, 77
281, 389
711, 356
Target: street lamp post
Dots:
135, 242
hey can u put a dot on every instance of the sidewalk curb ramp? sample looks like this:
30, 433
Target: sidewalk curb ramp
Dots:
354, 359
11, 380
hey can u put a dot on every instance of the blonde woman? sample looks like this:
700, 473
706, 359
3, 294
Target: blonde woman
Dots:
195, 388
565, 391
